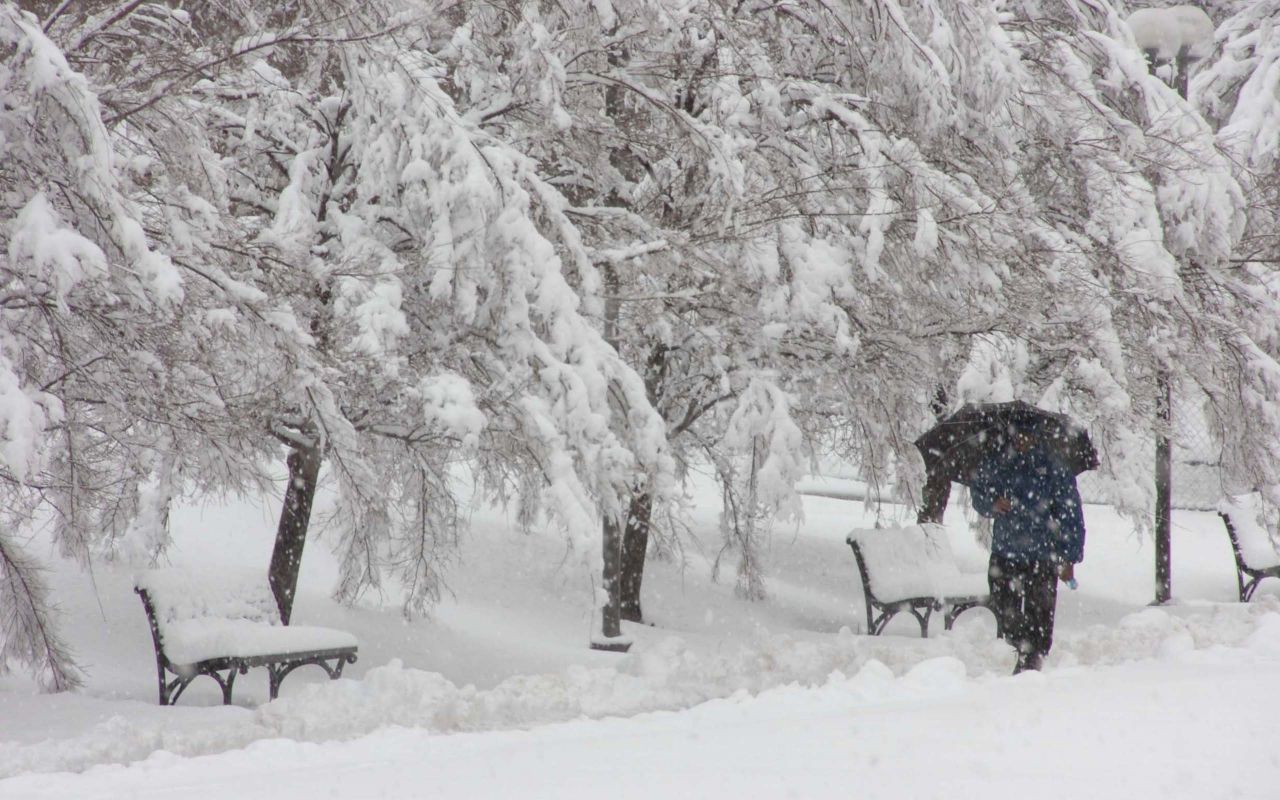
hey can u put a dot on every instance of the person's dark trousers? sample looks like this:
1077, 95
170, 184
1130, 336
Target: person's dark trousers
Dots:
1024, 595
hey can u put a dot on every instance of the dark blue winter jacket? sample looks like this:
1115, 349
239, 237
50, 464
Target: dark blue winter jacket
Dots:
1046, 521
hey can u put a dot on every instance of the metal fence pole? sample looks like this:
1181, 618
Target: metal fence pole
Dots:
1164, 459
1164, 491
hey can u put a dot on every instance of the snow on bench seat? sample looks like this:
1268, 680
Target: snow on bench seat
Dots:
197, 640
1251, 544
915, 561
913, 569
203, 623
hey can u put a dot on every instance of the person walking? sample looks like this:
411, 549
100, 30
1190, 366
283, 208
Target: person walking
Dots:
1038, 538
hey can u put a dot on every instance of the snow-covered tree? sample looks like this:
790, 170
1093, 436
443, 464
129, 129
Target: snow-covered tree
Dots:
104, 379
427, 261
837, 204
369, 278
1150, 214
1238, 93
566, 243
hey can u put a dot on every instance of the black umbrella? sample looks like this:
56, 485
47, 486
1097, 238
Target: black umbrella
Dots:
957, 445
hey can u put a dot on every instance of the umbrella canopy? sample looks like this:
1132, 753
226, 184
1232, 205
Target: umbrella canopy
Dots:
957, 445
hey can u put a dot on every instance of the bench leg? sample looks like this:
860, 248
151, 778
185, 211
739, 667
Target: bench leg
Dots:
274, 677
923, 619
170, 691
226, 684
955, 611
1247, 589
949, 618
277, 672
179, 685
336, 672
877, 626
226, 687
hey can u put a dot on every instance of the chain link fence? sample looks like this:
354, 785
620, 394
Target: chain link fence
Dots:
1196, 474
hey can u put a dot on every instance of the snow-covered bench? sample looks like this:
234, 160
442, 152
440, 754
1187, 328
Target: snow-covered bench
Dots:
221, 624
912, 569
1256, 556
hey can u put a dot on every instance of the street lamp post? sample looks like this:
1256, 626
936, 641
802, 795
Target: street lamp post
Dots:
1173, 39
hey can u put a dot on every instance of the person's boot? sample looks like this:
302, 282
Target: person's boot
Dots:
1029, 661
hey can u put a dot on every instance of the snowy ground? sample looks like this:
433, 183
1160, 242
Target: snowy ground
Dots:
498, 695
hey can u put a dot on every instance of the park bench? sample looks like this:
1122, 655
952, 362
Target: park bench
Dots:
1255, 555
223, 624
912, 569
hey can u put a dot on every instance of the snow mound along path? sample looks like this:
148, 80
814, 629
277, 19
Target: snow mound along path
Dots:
664, 675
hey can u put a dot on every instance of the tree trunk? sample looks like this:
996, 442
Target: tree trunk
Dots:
635, 536
937, 486
610, 614
936, 493
295, 519
1164, 493
635, 545
1164, 406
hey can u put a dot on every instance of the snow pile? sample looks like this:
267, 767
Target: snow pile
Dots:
121, 740
1265, 638
671, 676
1156, 633
1059, 736
665, 676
